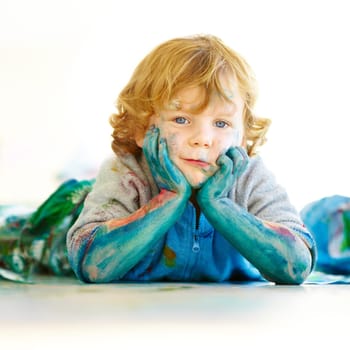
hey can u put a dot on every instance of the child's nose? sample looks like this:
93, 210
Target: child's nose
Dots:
201, 138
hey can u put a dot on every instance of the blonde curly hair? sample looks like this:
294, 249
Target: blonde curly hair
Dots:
176, 64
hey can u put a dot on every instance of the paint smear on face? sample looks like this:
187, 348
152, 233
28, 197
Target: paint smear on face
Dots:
198, 163
196, 176
174, 105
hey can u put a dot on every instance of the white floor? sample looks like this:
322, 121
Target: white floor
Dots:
62, 313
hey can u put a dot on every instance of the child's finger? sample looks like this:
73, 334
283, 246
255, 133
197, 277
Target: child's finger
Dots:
239, 158
150, 145
163, 156
169, 167
225, 165
153, 155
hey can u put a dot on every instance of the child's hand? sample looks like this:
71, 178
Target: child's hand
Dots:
231, 166
164, 171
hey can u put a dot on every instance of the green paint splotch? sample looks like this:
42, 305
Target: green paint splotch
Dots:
169, 256
346, 239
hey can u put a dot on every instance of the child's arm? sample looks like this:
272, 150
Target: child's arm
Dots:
280, 254
111, 249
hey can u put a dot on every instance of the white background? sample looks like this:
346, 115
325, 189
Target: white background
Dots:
63, 63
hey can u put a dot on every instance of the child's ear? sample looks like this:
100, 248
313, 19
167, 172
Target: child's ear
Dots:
139, 137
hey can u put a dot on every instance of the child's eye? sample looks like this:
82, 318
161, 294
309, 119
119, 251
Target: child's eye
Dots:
181, 120
221, 124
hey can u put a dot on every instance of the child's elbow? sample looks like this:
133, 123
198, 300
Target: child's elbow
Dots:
294, 273
88, 273
97, 267
297, 278
93, 273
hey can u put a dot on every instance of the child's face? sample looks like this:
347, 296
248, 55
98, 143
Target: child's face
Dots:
195, 141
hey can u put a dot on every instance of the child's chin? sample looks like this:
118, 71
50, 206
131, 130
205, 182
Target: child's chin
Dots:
196, 184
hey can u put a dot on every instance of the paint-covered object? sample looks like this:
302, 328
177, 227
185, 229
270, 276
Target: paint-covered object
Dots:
35, 240
191, 249
328, 219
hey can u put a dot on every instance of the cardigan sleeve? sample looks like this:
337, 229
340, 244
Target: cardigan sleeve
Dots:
120, 189
259, 193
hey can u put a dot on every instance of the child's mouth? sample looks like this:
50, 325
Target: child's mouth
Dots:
197, 163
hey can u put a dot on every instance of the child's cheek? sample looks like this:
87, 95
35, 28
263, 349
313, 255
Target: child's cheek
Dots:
170, 137
237, 137
222, 147
173, 145
234, 140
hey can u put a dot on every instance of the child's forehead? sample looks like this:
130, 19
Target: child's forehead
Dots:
190, 98
191, 95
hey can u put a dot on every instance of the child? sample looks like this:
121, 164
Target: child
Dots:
185, 197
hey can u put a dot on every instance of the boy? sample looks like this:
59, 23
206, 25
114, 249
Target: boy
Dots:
185, 197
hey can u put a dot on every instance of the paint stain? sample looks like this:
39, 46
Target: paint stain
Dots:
169, 256
173, 288
346, 224
282, 230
